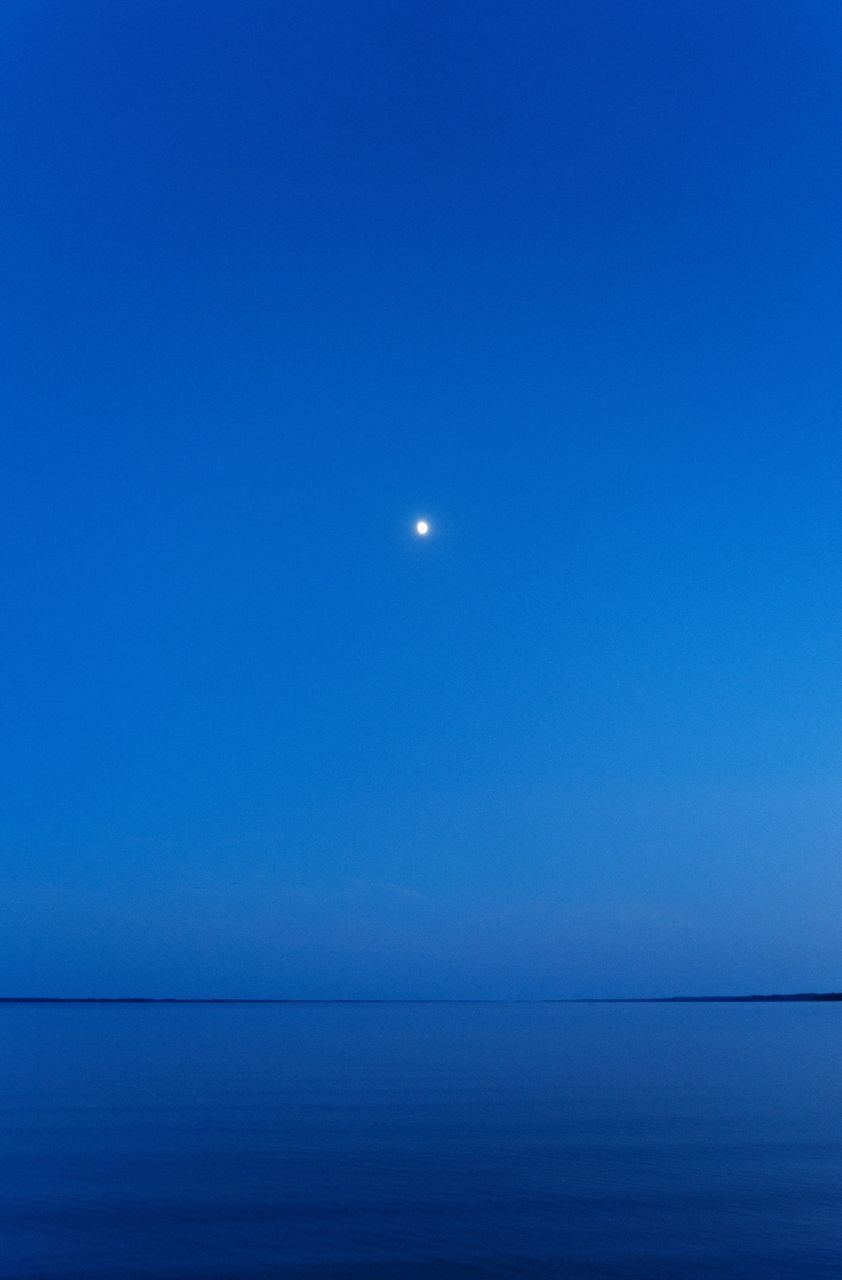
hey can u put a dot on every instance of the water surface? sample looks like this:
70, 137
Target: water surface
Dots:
305, 1141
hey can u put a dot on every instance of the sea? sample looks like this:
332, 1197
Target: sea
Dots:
378, 1141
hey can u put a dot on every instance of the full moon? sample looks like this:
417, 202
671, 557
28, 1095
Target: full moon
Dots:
422, 528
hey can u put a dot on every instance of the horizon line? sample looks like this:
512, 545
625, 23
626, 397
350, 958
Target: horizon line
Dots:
360, 1000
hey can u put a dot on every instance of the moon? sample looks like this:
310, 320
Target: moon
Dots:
422, 528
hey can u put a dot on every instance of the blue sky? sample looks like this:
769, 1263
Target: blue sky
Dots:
278, 280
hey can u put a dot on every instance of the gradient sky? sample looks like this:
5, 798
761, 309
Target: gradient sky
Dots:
279, 278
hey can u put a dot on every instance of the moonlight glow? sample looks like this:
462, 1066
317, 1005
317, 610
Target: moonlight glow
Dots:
422, 528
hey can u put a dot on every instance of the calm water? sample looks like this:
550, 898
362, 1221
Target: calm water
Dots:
413, 1141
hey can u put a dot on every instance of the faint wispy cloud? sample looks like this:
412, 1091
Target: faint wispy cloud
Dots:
400, 890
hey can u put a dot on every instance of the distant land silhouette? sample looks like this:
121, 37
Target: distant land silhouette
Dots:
753, 999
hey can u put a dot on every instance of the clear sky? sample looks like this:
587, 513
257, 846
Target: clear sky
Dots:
278, 280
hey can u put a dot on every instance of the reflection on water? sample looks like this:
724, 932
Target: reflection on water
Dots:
420, 1140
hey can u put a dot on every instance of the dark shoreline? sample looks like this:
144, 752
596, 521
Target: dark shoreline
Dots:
798, 997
